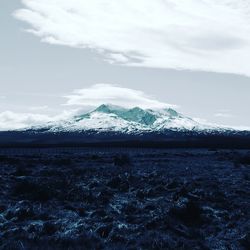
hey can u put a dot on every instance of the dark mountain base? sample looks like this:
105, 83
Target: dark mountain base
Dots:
96, 198
168, 139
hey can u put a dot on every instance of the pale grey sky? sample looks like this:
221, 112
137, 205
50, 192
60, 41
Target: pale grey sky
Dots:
34, 77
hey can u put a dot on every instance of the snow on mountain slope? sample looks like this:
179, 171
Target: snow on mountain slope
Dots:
136, 120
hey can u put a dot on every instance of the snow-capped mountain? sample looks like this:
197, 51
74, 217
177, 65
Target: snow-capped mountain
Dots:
111, 126
110, 118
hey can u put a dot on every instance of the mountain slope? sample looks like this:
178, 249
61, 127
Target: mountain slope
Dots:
110, 118
112, 126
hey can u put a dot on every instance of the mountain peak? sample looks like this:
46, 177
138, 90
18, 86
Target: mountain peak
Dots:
108, 108
144, 117
108, 117
172, 112
135, 114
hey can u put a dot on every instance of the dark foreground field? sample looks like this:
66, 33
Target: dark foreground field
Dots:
124, 199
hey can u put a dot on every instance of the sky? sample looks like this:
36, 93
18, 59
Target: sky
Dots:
59, 57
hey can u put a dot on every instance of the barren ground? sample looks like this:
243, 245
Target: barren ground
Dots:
96, 198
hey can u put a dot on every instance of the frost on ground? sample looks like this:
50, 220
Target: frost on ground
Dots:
124, 199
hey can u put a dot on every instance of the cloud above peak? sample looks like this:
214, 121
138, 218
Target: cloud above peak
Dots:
79, 102
207, 35
113, 94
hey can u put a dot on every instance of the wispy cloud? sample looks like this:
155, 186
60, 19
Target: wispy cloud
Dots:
223, 115
39, 108
112, 94
12, 120
80, 101
208, 35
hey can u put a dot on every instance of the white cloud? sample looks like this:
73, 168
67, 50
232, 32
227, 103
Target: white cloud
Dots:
79, 102
39, 108
223, 115
208, 35
12, 120
111, 94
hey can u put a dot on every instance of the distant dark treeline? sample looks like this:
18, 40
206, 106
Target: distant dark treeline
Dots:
172, 139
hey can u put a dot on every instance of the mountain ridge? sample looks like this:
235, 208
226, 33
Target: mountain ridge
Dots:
108, 117
113, 118
114, 126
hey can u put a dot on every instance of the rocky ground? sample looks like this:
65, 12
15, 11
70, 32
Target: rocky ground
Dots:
124, 199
